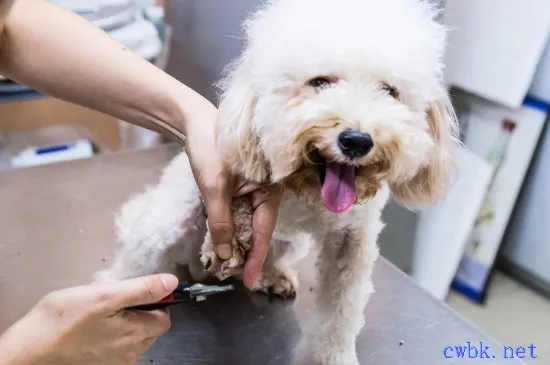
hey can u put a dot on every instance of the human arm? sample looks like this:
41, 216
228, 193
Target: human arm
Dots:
61, 54
88, 325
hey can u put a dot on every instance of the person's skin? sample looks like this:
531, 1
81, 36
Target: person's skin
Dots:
59, 53
87, 325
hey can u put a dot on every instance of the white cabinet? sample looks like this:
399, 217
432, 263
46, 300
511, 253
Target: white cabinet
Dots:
495, 46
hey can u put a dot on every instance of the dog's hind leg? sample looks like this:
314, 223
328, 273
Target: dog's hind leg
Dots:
160, 228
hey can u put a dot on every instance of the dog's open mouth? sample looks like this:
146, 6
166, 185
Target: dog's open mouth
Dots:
338, 191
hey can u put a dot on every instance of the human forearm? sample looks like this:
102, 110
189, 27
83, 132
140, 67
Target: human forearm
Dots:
59, 53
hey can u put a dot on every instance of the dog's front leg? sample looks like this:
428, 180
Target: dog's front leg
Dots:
345, 266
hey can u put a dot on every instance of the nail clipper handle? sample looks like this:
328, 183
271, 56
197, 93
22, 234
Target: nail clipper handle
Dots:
164, 303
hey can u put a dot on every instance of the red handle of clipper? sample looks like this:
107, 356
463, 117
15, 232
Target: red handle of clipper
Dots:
169, 298
154, 306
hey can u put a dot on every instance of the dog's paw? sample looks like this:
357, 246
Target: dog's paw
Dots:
321, 347
343, 360
333, 351
329, 359
222, 269
337, 362
284, 285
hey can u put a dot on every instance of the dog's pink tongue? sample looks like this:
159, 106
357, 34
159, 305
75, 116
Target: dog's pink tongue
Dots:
338, 191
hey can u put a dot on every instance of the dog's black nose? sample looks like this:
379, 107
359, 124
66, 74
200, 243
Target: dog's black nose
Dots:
355, 144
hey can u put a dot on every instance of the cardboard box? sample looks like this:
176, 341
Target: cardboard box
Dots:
29, 115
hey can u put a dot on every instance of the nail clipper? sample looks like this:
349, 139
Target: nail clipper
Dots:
185, 293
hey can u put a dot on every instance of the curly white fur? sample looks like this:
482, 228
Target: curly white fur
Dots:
381, 61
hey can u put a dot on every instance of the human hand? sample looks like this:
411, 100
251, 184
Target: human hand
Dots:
265, 205
87, 325
218, 187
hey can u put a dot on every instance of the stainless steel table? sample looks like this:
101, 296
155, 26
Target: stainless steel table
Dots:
56, 229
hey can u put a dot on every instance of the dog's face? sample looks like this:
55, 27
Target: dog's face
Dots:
333, 99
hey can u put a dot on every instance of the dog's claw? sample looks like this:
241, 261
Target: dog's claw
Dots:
208, 264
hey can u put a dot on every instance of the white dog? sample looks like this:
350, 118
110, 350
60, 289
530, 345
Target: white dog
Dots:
343, 102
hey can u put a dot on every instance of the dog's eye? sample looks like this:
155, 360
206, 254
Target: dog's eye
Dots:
392, 91
319, 82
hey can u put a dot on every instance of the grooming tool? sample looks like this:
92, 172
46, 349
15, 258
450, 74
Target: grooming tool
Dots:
185, 293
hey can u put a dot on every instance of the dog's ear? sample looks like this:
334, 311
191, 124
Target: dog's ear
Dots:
236, 137
432, 181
